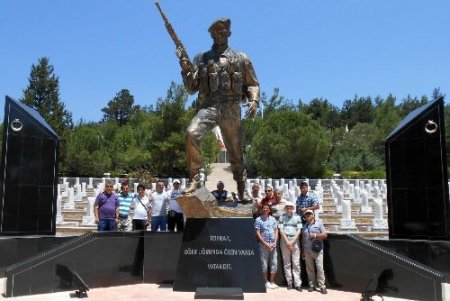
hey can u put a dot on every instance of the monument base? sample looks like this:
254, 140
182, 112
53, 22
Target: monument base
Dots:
219, 253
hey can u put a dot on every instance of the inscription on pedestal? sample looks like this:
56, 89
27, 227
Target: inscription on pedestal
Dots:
219, 252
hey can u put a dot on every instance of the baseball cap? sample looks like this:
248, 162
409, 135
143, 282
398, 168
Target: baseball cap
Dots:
220, 182
289, 204
176, 181
309, 211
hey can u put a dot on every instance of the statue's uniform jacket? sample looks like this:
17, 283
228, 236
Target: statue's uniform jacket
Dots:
222, 81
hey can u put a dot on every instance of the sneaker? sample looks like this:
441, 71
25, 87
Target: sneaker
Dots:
268, 286
299, 288
289, 287
323, 291
273, 285
310, 289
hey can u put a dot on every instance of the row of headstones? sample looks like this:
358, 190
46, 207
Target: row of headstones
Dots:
290, 189
360, 193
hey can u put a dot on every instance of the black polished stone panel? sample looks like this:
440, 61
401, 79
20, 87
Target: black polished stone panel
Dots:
101, 259
432, 253
29, 172
351, 262
15, 249
161, 251
219, 252
416, 175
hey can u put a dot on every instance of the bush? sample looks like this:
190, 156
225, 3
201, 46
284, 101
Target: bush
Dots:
370, 174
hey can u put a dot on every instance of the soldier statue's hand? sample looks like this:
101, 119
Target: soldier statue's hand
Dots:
252, 107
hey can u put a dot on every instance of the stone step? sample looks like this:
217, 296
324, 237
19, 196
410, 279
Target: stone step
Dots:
336, 219
333, 207
73, 214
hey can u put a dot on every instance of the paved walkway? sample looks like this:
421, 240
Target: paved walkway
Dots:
220, 172
165, 292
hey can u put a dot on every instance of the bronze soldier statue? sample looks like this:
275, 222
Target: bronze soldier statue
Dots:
223, 78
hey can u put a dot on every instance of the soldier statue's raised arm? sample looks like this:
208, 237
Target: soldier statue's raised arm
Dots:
224, 78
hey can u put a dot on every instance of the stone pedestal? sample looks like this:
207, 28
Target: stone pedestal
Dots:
219, 253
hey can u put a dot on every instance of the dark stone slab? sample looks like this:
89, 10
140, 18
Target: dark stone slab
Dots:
416, 175
29, 172
219, 252
221, 293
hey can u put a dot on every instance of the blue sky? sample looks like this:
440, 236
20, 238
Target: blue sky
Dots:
332, 49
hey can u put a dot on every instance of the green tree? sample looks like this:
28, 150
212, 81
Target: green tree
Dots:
360, 109
86, 152
121, 108
321, 110
387, 115
168, 145
356, 150
42, 94
289, 144
274, 103
409, 104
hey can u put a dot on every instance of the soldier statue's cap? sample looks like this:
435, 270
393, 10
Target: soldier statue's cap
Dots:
224, 21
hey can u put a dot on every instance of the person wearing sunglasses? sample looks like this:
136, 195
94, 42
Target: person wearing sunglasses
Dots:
269, 198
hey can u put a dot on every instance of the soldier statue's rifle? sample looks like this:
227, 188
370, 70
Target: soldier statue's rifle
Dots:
181, 50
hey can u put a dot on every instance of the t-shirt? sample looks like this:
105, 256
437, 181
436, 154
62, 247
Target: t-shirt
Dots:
159, 203
107, 205
221, 196
290, 224
304, 201
125, 204
308, 229
267, 227
173, 204
140, 212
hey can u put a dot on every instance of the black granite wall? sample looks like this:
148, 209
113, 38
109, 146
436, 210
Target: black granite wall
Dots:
29, 172
416, 175
115, 258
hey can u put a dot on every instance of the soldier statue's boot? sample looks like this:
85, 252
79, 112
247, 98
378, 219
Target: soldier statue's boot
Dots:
194, 184
243, 195
245, 198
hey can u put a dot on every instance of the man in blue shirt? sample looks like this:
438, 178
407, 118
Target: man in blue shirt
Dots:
307, 200
313, 230
125, 201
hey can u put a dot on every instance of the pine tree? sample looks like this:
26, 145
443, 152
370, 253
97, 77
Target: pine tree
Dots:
42, 94
121, 108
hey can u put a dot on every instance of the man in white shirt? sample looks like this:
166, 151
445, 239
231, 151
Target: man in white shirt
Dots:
159, 204
176, 216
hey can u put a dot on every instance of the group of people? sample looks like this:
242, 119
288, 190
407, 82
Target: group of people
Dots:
299, 234
126, 211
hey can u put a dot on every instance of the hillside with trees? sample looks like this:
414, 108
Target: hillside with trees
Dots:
288, 138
